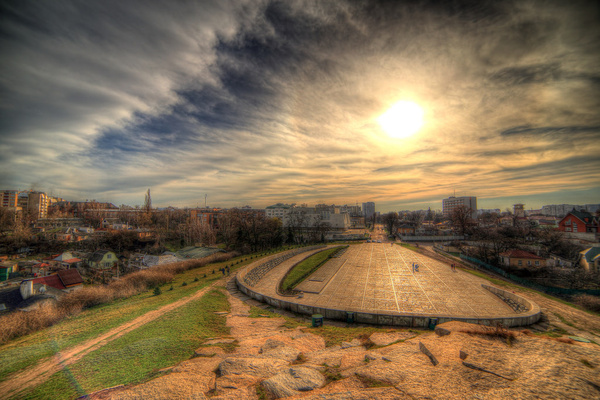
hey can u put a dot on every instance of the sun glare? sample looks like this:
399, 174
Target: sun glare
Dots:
402, 120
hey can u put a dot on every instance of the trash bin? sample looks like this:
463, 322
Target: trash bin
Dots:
432, 323
317, 320
349, 317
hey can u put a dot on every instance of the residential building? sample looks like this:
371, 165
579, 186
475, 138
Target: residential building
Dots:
9, 198
560, 210
519, 210
307, 217
7, 268
521, 259
590, 259
65, 280
368, 210
489, 211
37, 204
452, 203
579, 222
278, 210
103, 259
207, 216
406, 230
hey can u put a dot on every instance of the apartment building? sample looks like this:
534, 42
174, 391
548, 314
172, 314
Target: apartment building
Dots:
452, 203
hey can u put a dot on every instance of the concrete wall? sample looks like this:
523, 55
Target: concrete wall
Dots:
406, 319
407, 238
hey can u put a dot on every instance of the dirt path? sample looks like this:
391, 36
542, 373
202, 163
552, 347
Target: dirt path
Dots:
42, 371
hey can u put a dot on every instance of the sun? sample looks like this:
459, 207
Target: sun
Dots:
402, 120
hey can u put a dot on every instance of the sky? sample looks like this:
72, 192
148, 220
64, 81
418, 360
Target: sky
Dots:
232, 103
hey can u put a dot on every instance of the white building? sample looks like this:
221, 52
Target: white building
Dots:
452, 203
278, 210
368, 209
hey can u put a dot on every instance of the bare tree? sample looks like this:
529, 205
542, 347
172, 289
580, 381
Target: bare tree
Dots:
460, 218
415, 218
390, 221
7, 220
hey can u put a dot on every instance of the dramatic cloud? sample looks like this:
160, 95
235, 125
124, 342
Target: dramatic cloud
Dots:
261, 102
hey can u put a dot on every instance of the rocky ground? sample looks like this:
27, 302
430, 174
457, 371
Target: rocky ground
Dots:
457, 361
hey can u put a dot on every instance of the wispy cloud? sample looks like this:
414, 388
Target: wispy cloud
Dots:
259, 102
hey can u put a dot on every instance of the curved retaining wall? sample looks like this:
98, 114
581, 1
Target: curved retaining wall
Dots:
531, 316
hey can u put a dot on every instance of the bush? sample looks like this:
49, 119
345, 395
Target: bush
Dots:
20, 323
184, 284
157, 291
587, 301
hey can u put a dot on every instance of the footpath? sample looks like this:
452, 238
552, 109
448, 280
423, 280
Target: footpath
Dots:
39, 373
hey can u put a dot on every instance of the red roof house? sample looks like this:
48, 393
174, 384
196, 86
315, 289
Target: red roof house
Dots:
65, 280
521, 259
579, 222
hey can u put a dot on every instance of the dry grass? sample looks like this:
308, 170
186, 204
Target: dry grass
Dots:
498, 331
20, 323
556, 339
587, 301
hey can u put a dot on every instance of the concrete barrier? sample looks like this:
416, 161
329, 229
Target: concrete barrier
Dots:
531, 316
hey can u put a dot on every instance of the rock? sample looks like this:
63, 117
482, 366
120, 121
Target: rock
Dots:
235, 382
441, 331
293, 381
277, 349
475, 367
463, 355
210, 351
353, 343
218, 341
261, 367
426, 351
353, 359
221, 312
387, 338
385, 393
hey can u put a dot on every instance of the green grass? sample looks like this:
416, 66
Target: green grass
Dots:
140, 354
408, 246
332, 373
564, 320
301, 271
28, 350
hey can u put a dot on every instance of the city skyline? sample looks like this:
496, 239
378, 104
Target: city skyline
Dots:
265, 102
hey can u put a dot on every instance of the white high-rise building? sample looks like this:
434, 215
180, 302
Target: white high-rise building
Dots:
451, 203
368, 209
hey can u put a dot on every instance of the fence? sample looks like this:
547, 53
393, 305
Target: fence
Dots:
528, 283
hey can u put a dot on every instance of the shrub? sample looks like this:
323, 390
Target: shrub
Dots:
587, 301
157, 291
497, 331
196, 279
20, 323
184, 284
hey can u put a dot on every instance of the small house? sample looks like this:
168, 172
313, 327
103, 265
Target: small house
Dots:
64, 281
103, 259
590, 259
521, 259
